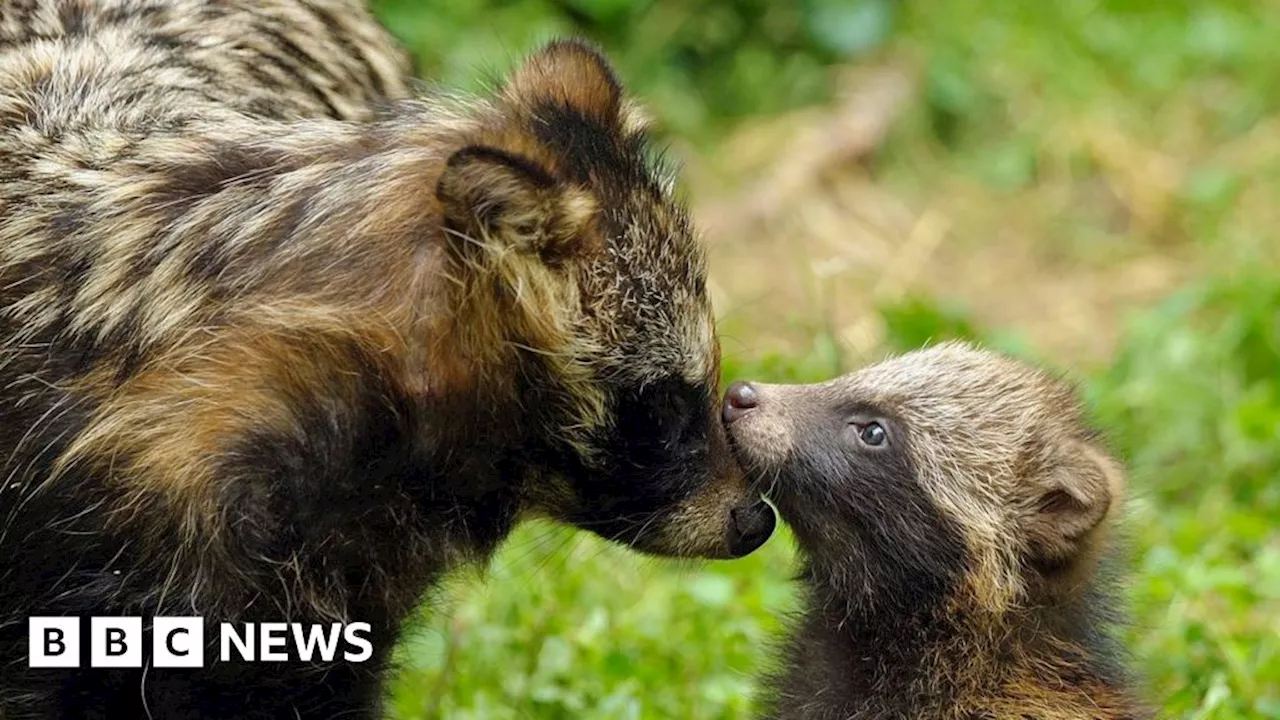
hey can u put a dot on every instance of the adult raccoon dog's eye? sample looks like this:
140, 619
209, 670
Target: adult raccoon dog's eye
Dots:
668, 410
871, 434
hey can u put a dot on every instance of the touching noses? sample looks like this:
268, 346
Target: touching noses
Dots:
738, 399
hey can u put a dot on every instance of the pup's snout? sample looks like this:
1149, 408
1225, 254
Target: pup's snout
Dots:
749, 527
738, 399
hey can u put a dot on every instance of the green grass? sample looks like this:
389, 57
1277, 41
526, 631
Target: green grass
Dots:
569, 627
1194, 401
565, 626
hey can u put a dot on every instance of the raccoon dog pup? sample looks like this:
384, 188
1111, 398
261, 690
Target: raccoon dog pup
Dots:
952, 509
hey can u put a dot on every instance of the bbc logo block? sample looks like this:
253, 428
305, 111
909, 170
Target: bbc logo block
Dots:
177, 642
54, 642
115, 642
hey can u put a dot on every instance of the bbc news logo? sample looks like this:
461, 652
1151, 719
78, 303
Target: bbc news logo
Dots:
179, 642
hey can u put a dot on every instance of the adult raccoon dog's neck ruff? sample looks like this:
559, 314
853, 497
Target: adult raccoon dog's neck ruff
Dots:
278, 343
952, 509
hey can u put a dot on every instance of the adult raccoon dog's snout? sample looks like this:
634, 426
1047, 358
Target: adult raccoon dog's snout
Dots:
659, 450
749, 527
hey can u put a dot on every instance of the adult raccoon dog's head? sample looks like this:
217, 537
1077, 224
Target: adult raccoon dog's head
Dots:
566, 240
942, 472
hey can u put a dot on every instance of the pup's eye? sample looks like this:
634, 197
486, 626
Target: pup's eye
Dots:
872, 434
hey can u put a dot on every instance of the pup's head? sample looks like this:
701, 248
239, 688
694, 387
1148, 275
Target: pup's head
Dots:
567, 243
942, 471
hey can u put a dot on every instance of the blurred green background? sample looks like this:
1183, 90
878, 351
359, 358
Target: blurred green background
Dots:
1089, 184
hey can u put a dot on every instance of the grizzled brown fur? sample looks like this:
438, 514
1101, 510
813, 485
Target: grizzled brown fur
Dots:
278, 343
952, 509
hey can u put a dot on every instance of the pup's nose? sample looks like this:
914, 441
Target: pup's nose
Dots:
738, 399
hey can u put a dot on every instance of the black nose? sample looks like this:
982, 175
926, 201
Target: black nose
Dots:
749, 527
738, 399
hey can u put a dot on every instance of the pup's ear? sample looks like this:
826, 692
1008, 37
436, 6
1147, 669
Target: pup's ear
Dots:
496, 200
575, 75
1068, 503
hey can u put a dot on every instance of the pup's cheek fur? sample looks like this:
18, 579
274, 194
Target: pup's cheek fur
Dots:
761, 441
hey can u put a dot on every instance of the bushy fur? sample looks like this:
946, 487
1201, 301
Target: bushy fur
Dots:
279, 344
953, 570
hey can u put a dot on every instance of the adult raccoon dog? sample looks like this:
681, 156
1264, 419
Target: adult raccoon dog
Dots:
277, 344
951, 507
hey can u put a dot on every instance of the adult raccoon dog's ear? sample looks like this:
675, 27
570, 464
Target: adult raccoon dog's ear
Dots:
574, 75
497, 201
1073, 490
